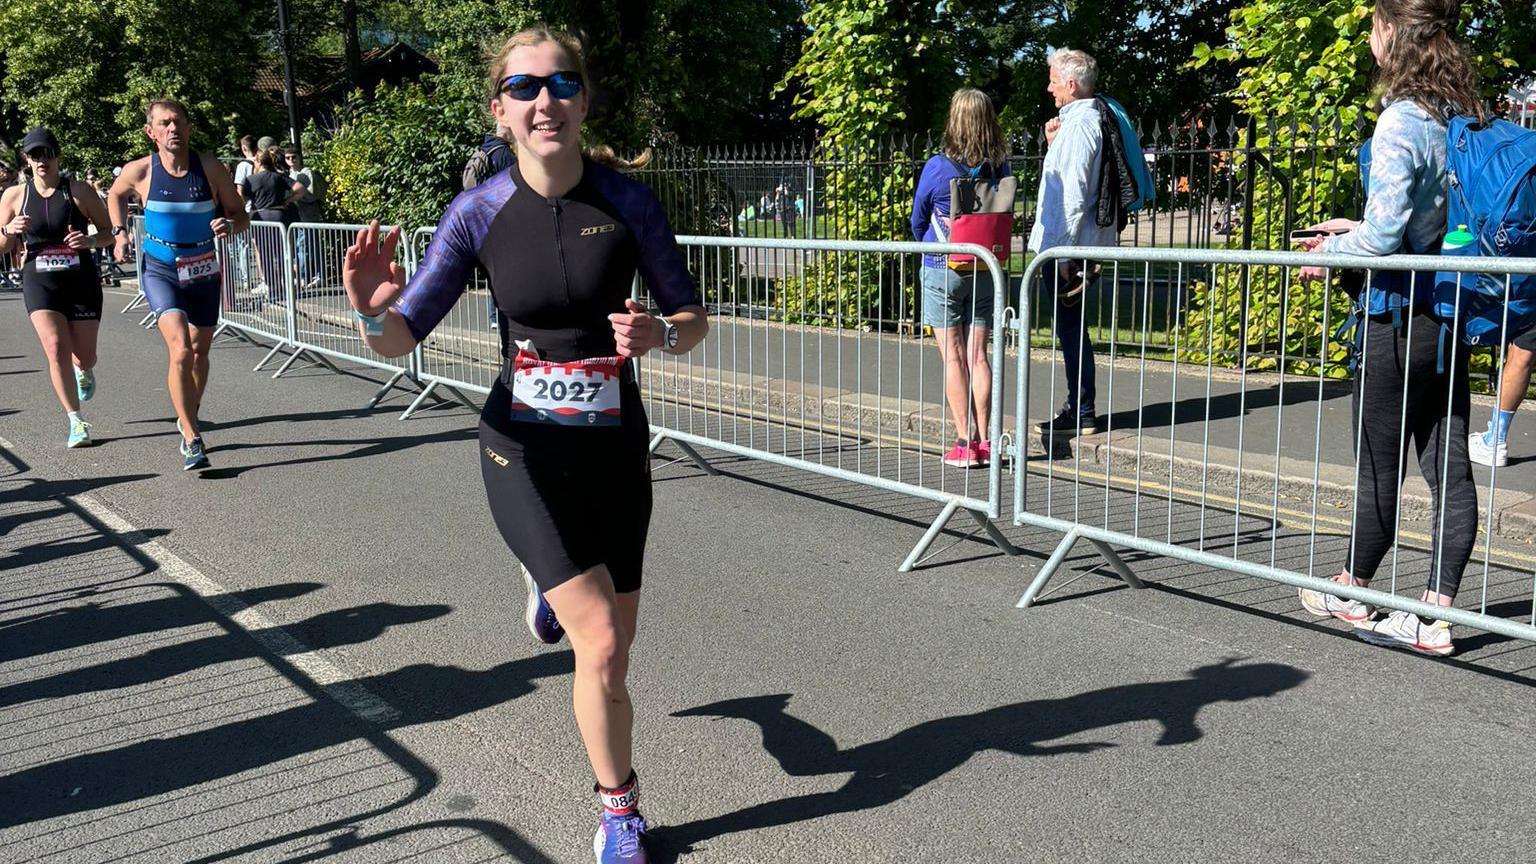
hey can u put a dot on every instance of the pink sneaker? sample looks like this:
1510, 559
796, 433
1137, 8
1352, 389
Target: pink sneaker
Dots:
962, 455
983, 451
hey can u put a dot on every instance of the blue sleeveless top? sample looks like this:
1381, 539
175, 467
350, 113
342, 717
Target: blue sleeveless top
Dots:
177, 212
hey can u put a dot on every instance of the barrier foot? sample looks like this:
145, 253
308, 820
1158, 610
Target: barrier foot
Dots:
1117, 563
148, 321
420, 398
998, 539
689, 452
137, 300
267, 359
463, 400
928, 537
289, 362
388, 386
326, 362
1048, 569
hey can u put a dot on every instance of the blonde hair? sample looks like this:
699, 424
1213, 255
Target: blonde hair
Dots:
1076, 66
1422, 60
972, 134
538, 35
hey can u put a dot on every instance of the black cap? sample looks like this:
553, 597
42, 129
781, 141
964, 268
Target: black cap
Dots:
39, 137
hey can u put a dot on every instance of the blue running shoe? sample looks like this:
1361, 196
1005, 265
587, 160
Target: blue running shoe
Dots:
541, 619
192, 456
85, 384
79, 434
620, 839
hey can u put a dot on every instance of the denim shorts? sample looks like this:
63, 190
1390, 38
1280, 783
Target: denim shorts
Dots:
955, 299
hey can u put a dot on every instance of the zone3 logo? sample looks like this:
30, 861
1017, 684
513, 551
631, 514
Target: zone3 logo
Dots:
599, 229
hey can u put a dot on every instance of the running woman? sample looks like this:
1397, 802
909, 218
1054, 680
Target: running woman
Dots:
48, 217
563, 436
1422, 72
189, 201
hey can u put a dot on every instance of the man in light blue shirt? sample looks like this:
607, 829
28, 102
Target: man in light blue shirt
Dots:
1065, 216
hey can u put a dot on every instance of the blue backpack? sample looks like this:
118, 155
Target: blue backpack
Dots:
1146, 193
1492, 174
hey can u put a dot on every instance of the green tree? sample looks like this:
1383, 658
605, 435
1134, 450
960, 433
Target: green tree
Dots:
89, 81
1305, 67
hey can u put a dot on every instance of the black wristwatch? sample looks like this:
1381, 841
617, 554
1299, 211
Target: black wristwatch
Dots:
118, 229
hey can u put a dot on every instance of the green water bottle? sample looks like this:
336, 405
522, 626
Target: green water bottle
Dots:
1458, 240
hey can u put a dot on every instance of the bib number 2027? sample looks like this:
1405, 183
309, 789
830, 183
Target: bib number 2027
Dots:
583, 393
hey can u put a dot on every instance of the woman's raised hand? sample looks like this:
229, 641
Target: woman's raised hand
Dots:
370, 274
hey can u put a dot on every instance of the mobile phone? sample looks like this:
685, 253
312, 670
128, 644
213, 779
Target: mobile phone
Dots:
1309, 233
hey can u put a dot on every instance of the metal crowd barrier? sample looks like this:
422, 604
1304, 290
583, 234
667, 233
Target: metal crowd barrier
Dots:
1242, 457
463, 354
803, 368
321, 316
254, 274
796, 370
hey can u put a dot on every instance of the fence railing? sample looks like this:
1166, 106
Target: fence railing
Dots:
1251, 471
1271, 474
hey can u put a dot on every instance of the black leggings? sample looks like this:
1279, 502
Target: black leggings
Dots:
1439, 438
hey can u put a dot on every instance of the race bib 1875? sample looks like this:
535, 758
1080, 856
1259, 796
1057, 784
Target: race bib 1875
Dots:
195, 267
580, 393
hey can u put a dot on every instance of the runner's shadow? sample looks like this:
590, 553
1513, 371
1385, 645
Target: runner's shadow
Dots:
421, 693
888, 770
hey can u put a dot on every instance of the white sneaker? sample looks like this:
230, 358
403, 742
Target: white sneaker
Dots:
260, 290
1484, 453
1329, 606
1405, 630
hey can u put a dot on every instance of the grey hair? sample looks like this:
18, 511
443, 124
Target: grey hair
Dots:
1077, 66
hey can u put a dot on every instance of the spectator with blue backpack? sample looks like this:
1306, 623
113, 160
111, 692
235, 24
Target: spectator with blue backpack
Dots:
1492, 207
965, 195
1411, 379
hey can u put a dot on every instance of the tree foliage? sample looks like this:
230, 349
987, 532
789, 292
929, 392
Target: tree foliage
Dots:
88, 81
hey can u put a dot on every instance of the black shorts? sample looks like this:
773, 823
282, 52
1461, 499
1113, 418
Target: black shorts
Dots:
1526, 340
568, 498
73, 293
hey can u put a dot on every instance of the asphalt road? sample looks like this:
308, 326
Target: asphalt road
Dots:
314, 651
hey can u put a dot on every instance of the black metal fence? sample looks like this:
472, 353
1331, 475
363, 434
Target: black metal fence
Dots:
1233, 182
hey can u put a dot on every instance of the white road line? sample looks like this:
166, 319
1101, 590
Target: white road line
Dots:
336, 683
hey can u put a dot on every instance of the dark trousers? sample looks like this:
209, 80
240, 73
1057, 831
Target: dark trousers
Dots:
1076, 355
1432, 410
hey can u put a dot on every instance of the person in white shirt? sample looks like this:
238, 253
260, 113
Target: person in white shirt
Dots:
1065, 216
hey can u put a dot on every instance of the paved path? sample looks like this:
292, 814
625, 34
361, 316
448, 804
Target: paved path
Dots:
313, 652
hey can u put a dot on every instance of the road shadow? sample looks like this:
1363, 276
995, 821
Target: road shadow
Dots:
421, 693
327, 630
888, 770
78, 626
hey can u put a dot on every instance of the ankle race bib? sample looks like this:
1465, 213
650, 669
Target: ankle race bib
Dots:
580, 393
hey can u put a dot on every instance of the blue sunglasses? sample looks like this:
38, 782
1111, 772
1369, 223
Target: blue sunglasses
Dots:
525, 88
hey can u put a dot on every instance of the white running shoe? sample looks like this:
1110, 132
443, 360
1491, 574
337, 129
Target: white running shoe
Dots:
1406, 630
1329, 606
1484, 453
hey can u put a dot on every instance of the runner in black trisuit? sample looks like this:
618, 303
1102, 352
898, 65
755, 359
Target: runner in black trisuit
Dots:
563, 434
47, 218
